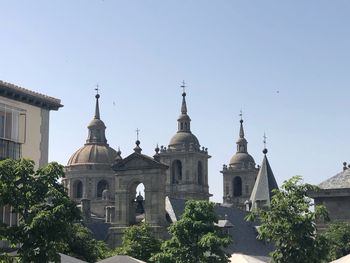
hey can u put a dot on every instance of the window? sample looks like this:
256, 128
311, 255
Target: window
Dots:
237, 186
102, 185
200, 173
12, 123
176, 171
78, 189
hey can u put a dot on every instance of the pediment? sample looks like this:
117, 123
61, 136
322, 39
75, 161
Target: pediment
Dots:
137, 161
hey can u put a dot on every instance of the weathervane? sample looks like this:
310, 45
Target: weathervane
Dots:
97, 88
264, 140
137, 133
183, 86
241, 114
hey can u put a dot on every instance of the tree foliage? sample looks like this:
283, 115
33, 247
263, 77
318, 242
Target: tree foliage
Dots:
138, 242
195, 237
46, 214
338, 237
290, 224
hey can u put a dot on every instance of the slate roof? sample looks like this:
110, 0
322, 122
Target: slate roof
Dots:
243, 233
264, 184
99, 230
14, 92
121, 259
340, 180
69, 259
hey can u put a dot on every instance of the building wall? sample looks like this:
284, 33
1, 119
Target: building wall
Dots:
35, 143
189, 187
248, 177
337, 203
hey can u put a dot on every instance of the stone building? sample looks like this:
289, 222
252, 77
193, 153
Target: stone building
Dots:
135, 169
240, 175
334, 194
89, 174
187, 176
24, 130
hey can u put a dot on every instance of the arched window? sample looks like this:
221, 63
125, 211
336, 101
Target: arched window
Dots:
182, 126
176, 171
102, 185
78, 189
237, 186
200, 172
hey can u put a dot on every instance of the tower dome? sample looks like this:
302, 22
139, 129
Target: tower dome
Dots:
184, 136
242, 159
96, 149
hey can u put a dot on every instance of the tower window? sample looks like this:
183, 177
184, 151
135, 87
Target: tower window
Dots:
237, 186
176, 171
200, 172
182, 126
102, 185
78, 189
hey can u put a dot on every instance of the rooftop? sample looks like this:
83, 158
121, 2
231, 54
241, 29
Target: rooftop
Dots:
17, 93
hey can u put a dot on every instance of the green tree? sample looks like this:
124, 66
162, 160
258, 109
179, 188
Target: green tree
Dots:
81, 244
338, 237
195, 237
46, 214
138, 242
290, 224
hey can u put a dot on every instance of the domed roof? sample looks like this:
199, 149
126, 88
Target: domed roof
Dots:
93, 154
96, 150
186, 138
242, 159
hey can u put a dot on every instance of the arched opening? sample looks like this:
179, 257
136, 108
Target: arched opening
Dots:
200, 172
78, 189
237, 186
176, 171
101, 186
136, 203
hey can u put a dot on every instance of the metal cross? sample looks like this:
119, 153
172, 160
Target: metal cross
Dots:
265, 140
241, 114
137, 133
97, 88
183, 86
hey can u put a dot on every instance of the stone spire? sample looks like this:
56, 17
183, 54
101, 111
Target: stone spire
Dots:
242, 142
97, 127
97, 108
264, 184
184, 120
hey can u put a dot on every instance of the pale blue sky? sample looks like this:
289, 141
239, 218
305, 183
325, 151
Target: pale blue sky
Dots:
286, 63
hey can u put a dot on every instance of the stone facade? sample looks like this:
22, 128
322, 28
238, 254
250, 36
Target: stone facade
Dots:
130, 172
187, 176
89, 173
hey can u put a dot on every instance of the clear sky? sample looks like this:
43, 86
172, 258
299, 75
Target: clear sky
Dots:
285, 63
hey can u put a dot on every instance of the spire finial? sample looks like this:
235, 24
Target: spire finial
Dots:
97, 109
241, 130
183, 106
137, 133
265, 149
97, 88
183, 86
